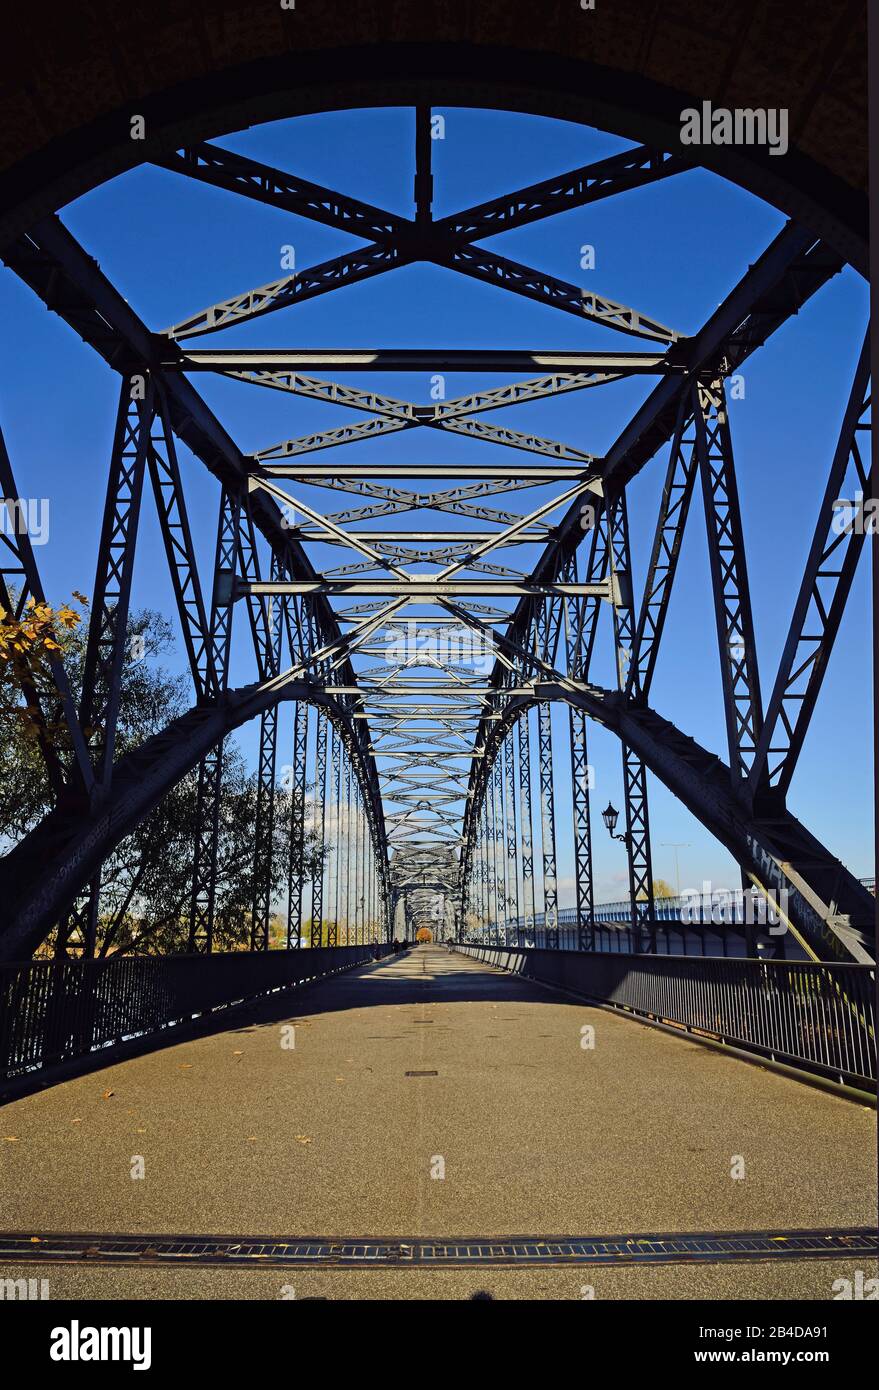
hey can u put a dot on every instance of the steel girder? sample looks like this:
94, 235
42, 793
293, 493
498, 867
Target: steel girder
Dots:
784, 278
334, 782
320, 781
528, 896
68, 846
264, 825
736, 643
248, 362
829, 911
70, 282
180, 555
580, 627
400, 241
207, 818
54, 265
615, 520
511, 822
295, 880
671, 522
546, 639
106, 648
793, 268
213, 165
840, 532
222, 168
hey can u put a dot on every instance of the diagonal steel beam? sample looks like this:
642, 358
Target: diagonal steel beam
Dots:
51, 261
221, 168
839, 538
737, 646
575, 189
349, 269
170, 500
543, 288
673, 512
793, 268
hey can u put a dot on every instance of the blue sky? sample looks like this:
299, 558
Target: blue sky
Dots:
672, 250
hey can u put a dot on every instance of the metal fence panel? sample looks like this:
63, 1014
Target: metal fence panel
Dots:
810, 1015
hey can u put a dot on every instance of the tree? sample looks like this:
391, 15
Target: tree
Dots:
661, 889
32, 637
146, 882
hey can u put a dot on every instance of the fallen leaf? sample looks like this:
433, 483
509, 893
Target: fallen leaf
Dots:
185, 1066
10, 1138
303, 1138
36, 1240
107, 1095
76, 1122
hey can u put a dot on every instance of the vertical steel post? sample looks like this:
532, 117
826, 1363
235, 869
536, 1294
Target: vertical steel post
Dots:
511, 822
581, 778
736, 643
264, 828
106, 647
210, 774
295, 862
547, 827
634, 771
525, 820
500, 859
332, 894
320, 792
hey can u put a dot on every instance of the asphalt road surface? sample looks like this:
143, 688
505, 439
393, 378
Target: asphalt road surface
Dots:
432, 1095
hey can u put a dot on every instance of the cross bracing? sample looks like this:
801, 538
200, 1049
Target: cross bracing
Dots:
422, 663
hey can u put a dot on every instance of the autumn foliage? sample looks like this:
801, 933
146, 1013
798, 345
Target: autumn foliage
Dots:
28, 646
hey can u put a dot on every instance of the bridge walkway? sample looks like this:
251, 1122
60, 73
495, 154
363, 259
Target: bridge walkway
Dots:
433, 1063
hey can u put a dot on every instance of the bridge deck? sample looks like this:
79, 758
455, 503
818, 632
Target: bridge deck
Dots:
539, 1136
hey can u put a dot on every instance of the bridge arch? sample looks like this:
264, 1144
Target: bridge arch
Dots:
195, 76
825, 198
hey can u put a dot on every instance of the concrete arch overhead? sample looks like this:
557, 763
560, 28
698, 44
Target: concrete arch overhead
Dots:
196, 70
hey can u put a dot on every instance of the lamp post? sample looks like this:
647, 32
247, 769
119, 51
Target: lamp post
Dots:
676, 845
610, 815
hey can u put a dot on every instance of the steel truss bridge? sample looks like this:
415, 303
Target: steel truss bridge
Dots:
433, 772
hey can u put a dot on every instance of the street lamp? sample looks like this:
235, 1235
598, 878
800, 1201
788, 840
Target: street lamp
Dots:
610, 815
676, 845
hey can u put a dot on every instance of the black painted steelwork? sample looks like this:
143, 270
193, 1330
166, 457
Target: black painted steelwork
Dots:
814, 1017
362, 716
52, 1011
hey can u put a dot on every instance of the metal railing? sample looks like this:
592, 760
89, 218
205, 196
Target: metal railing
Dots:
618, 938
52, 1011
807, 1015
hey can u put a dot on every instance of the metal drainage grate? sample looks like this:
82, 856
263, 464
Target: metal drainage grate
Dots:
680, 1248
421, 1073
